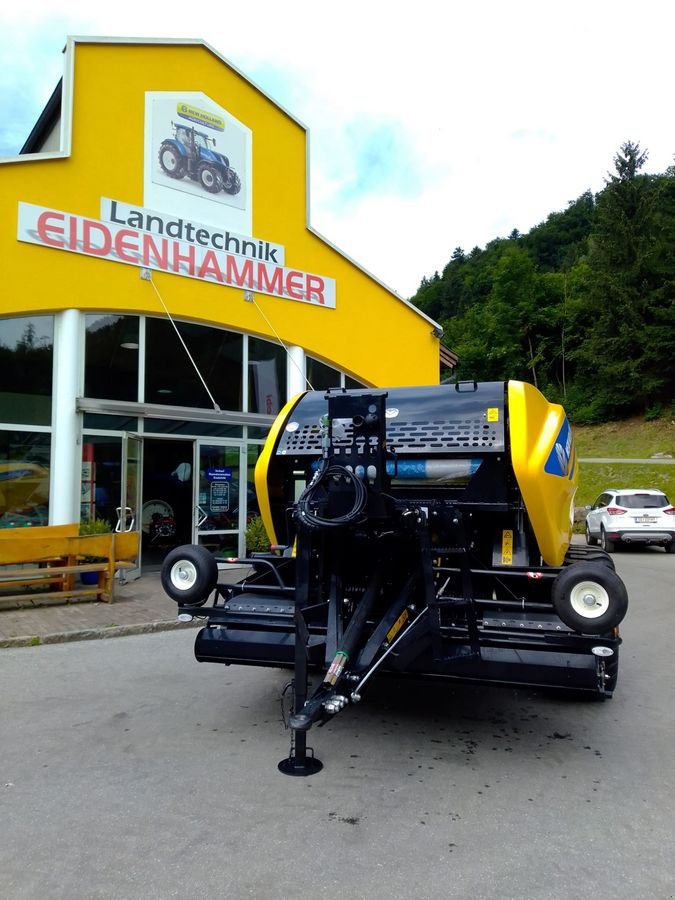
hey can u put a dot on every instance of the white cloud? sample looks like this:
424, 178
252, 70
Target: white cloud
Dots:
476, 117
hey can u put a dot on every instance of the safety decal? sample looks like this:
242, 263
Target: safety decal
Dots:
396, 627
507, 547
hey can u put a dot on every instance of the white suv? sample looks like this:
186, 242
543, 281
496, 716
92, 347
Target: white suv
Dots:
631, 517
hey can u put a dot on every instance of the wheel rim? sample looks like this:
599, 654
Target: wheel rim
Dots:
207, 178
183, 575
589, 599
169, 161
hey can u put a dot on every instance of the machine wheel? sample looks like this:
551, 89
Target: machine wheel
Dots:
171, 161
577, 553
589, 598
210, 178
232, 183
189, 574
605, 543
670, 548
590, 540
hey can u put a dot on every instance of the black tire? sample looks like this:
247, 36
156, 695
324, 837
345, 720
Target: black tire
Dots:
670, 548
589, 598
171, 161
590, 540
210, 178
232, 184
607, 545
189, 574
578, 553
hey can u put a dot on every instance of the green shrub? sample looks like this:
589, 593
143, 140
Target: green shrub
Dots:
257, 540
95, 526
653, 412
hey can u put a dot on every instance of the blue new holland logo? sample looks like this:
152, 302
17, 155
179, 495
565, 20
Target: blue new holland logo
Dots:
558, 462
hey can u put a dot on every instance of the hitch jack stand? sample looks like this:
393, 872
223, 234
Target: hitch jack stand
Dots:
298, 762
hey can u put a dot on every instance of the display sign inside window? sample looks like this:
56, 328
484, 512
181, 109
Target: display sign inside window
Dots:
219, 500
219, 473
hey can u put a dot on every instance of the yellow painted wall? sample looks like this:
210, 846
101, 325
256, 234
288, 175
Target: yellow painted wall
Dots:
372, 334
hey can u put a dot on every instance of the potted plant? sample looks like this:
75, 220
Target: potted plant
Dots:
93, 526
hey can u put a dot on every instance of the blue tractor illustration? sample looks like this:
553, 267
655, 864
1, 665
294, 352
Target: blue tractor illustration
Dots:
188, 154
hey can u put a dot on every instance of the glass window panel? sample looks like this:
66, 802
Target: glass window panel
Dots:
171, 378
254, 433
26, 356
221, 545
351, 383
266, 377
111, 357
24, 479
253, 451
110, 422
202, 429
321, 376
101, 478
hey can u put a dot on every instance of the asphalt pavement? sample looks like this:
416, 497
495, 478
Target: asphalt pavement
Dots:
131, 772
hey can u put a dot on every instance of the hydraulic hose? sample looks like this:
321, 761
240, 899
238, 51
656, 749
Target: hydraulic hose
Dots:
304, 514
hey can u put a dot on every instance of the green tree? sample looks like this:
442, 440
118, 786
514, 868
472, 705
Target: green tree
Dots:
627, 351
582, 305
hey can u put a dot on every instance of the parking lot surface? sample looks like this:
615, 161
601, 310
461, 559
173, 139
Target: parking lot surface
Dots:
131, 771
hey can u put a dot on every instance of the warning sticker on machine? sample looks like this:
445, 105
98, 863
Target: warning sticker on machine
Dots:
396, 627
492, 414
507, 547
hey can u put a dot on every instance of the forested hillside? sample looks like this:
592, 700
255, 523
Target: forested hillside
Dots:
583, 305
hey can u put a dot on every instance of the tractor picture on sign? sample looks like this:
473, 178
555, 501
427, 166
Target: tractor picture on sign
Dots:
189, 154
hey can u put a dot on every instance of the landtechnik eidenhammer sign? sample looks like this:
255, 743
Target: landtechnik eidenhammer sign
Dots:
253, 269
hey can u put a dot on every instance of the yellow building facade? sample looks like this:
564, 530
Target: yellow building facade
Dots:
164, 295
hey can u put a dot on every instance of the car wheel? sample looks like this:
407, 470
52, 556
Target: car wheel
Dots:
189, 574
590, 540
589, 598
605, 543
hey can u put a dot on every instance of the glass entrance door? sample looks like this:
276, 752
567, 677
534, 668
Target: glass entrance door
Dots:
128, 511
221, 498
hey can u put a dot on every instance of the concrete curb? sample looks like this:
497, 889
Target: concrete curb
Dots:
91, 634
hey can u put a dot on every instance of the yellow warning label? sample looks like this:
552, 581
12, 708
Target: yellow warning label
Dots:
493, 414
396, 627
507, 547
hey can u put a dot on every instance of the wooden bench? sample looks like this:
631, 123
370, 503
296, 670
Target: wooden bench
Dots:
54, 558
40, 531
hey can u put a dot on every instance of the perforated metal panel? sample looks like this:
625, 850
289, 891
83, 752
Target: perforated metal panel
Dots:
438, 420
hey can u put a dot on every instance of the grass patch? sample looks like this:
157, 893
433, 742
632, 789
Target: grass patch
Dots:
630, 439
594, 478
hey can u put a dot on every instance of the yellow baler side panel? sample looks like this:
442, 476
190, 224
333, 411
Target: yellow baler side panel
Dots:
262, 468
545, 465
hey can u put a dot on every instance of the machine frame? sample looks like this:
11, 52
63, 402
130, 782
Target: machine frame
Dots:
409, 540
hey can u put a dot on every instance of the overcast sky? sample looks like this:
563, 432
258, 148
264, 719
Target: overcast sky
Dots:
432, 124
